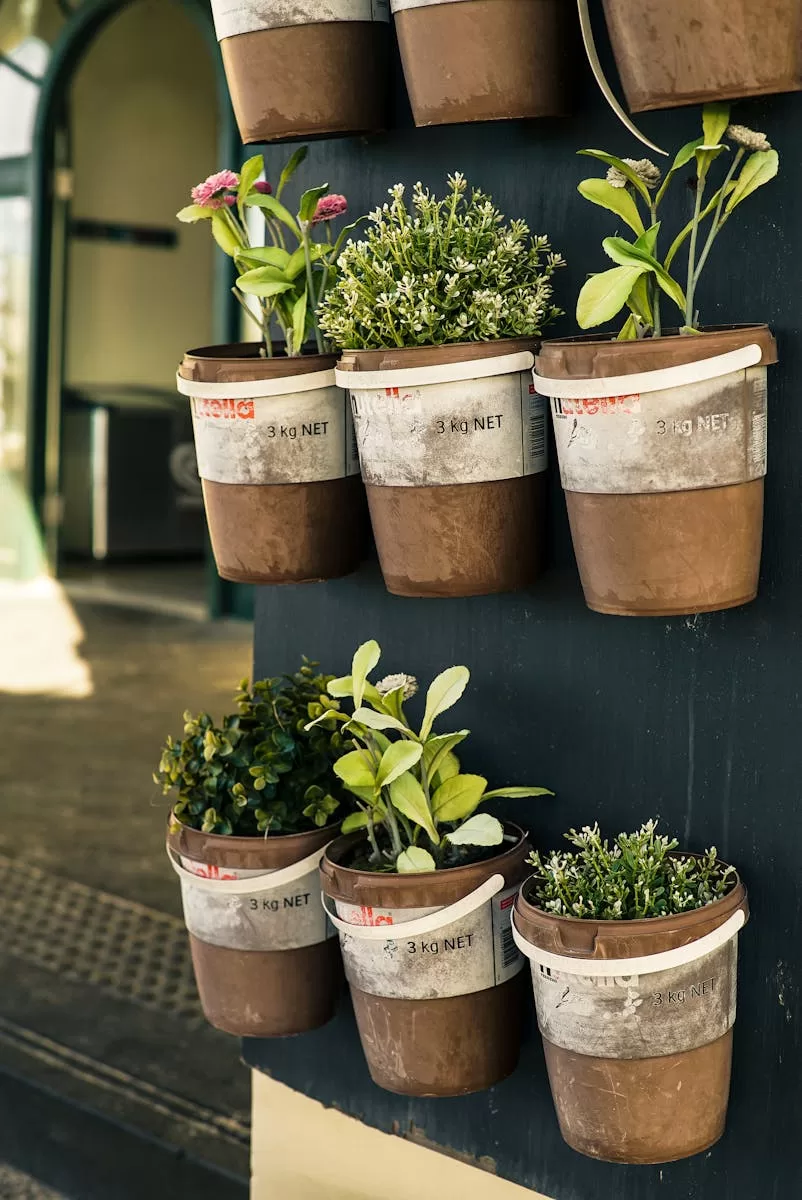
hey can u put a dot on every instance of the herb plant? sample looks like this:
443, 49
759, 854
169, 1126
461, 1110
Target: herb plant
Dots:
444, 270
638, 876
290, 276
635, 190
261, 770
417, 808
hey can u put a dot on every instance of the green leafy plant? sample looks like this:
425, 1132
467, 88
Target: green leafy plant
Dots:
261, 770
288, 277
638, 876
635, 190
417, 808
444, 270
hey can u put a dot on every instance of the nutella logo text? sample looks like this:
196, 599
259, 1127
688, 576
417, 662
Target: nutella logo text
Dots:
225, 410
591, 406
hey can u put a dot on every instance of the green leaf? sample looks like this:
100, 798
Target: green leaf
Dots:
272, 256
354, 821
438, 747
356, 770
516, 793
715, 119
297, 261
264, 281
309, 201
345, 687
448, 767
375, 720
291, 166
481, 830
458, 797
248, 176
345, 233
613, 161
397, 758
648, 239
443, 693
299, 318
629, 330
414, 861
224, 235
364, 661
193, 213
685, 155
604, 295
616, 200
759, 168
275, 209
408, 797
685, 233
640, 302
621, 252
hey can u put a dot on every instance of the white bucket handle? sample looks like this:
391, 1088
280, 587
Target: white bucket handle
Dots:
436, 920
256, 883
478, 368
648, 964
255, 389
650, 381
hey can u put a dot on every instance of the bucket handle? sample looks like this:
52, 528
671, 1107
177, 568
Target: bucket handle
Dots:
648, 964
473, 368
256, 884
650, 381
255, 389
436, 920
598, 71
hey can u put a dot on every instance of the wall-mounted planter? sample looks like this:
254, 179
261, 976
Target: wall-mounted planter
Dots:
662, 449
484, 60
276, 455
637, 1021
452, 442
304, 68
696, 51
266, 960
449, 967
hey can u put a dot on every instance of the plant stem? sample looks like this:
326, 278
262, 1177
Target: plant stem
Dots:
310, 283
392, 825
717, 221
374, 845
656, 324
238, 297
700, 187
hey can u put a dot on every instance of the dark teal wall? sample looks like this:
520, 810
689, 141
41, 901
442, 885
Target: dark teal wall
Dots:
695, 719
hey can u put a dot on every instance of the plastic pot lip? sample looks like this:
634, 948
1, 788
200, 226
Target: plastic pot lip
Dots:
229, 850
581, 339
394, 358
351, 885
240, 361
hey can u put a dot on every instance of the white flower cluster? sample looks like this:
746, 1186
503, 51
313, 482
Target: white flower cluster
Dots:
638, 876
446, 270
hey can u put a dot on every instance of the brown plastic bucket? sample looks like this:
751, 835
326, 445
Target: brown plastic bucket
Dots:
697, 51
305, 68
485, 60
266, 961
439, 1005
663, 479
284, 500
452, 442
638, 1059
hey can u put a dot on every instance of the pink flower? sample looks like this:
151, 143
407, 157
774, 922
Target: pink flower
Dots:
230, 200
329, 207
210, 193
263, 187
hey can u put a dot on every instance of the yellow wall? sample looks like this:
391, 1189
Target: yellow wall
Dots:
303, 1151
144, 130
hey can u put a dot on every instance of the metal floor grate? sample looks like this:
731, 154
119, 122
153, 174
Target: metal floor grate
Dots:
78, 933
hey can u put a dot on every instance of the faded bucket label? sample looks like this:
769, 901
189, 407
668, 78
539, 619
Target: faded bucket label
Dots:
232, 17
639, 1016
302, 437
471, 431
469, 955
284, 918
706, 434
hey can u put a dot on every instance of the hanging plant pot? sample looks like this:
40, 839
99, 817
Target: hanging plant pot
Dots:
276, 455
449, 967
452, 441
662, 449
641, 1012
484, 60
697, 51
266, 960
304, 68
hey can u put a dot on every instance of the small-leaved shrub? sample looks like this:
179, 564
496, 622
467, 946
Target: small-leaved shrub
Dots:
444, 270
638, 876
260, 770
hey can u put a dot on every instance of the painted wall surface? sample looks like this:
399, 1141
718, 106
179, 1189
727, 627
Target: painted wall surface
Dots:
144, 130
695, 720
